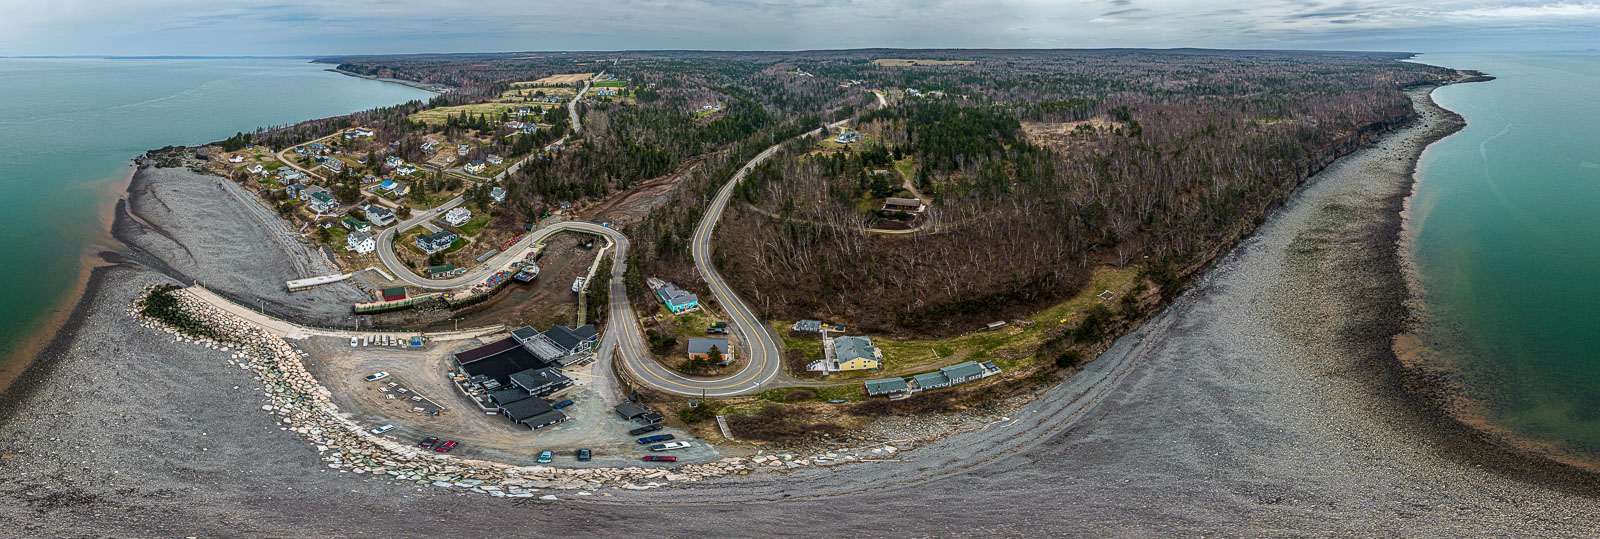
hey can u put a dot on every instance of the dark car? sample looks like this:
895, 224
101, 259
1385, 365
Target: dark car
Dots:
717, 331
446, 447
660, 458
583, 455
427, 443
656, 438
562, 404
644, 429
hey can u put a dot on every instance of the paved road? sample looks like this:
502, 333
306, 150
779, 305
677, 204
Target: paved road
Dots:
386, 237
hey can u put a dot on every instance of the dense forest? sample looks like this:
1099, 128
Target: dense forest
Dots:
1036, 166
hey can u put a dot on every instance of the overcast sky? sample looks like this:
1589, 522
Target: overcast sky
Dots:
327, 27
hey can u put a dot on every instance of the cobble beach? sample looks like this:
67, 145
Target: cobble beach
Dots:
1243, 405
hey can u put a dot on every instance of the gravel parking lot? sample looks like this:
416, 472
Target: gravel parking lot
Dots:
591, 425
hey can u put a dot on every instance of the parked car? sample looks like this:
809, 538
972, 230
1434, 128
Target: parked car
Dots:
719, 324
377, 376
583, 455
656, 438
354, 342
383, 429
546, 456
446, 447
428, 443
562, 404
647, 428
717, 331
669, 446
660, 458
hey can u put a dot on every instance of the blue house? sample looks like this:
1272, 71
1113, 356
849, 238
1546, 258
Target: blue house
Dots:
676, 299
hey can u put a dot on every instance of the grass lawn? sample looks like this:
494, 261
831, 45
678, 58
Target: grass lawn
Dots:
812, 346
909, 62
474, 226
903, 358
556, 80
439, 115
455, 246
611, 84
907, 168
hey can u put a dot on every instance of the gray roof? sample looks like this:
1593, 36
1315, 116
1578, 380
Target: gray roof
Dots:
570, 338
848, 348
631, 410
887, 385
897, 201
545, 419
524, 333
508, 396
526, 409
543, 348
962, 370
702, 345
683, 299
931, 379
808, 325
535, 379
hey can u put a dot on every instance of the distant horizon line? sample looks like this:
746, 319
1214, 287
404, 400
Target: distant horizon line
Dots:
597, 51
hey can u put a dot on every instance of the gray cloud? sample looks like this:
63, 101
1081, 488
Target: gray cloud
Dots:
311, 27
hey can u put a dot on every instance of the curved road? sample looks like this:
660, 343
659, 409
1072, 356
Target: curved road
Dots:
386, 237
624, 332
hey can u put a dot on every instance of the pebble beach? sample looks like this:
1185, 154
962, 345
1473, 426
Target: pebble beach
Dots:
1266, 398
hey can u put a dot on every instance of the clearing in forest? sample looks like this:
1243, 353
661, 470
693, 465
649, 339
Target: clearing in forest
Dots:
556, 80
1068, 134
912, 62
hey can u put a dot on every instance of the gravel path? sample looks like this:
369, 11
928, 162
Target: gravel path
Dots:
1248, 407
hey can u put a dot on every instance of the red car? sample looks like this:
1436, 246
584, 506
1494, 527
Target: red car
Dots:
428, 443
446, 447
660, 458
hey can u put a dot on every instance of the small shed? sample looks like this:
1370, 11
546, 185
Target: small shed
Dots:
394, 293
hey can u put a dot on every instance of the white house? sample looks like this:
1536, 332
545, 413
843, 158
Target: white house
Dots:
495, 159
405, 170
458, 216
235, 158
361, 242
393, 161
498, 194
255, 168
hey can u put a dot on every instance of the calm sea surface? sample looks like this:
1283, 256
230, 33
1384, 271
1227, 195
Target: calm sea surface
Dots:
1504, 236
69, 127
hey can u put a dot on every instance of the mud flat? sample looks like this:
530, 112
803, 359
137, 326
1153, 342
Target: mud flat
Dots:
1247, 405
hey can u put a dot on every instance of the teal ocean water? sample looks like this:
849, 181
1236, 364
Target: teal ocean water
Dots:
69, 128
1504, 238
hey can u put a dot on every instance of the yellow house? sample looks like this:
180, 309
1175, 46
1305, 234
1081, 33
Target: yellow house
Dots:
856, 354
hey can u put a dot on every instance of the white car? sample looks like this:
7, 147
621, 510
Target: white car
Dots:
354, 341
383, 429
377, 376
669, 446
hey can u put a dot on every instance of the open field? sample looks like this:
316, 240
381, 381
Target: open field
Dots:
556, 80
611, 84
1068, 134
1009, 346
910, 62
526, 91
438, 116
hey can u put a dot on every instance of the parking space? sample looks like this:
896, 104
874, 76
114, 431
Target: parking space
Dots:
418, 379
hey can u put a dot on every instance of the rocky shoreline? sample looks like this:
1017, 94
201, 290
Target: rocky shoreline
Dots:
1239, 405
